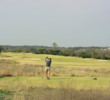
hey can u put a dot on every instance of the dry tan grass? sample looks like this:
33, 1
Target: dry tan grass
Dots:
13, 68
61, 94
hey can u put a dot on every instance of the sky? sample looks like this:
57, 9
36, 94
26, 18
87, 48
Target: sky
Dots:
69, 23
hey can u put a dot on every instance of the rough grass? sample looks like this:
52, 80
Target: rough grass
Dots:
32, 65
61, 94
45, 93
12, 68
58, 88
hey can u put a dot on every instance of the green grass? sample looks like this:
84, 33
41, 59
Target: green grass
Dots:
57, 60
16, 83
5, 95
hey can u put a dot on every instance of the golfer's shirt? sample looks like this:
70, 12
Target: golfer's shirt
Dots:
48, 63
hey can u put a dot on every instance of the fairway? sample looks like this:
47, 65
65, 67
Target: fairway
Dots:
29, 58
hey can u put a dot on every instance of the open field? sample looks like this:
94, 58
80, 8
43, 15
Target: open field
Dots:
21, 64
22, 76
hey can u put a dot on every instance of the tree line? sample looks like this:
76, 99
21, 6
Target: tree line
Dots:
84, 52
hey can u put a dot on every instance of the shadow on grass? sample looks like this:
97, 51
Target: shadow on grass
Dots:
60, 78
5, 76
1, 76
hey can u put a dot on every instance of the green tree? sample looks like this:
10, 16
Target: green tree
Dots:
41, 51
54, 45
94, 54
24, 52
0, 49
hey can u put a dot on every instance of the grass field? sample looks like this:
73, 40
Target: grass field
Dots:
21, 73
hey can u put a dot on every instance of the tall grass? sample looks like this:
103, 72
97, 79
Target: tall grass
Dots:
12, 68
61, 94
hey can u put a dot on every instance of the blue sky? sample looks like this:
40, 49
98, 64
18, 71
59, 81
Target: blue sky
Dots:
69, 23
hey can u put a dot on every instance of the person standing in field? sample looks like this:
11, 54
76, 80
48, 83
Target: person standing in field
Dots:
47, 68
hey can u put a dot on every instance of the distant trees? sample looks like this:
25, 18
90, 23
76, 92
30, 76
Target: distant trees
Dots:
0, 49
40, 51
47, 51
84, 52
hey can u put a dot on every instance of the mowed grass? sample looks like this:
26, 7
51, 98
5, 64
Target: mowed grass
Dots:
17, 83
29, 58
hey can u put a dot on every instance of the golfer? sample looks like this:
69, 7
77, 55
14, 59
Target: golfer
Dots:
47, 68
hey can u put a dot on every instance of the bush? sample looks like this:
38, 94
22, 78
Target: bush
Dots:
73, 75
